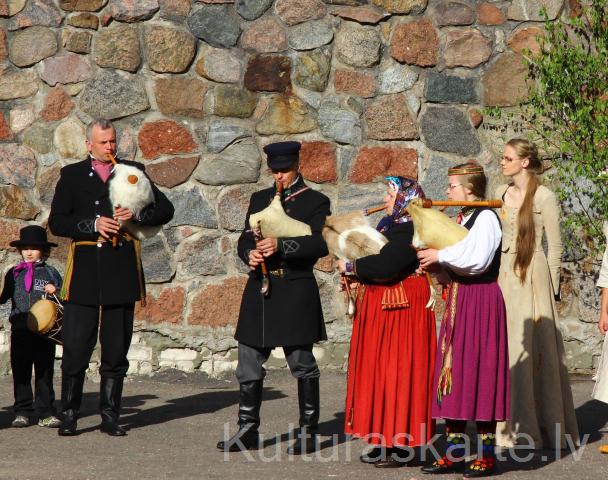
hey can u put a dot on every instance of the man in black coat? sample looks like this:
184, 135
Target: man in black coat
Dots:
103, 279
290, 315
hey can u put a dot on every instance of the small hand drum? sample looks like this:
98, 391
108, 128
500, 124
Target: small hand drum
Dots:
45, 318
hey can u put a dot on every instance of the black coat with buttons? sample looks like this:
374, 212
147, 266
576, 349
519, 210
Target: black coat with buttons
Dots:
102, 274
291, 314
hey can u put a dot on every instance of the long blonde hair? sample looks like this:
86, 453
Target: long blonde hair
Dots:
526, 234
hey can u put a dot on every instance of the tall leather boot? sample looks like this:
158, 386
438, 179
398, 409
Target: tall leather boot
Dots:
309, 401
110, 395
247, 437
71, 398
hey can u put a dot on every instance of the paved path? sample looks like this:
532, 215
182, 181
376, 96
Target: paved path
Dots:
176, 419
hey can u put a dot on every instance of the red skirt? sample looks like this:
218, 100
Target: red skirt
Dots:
390, 366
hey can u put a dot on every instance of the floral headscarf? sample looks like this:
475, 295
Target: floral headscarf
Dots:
406, 190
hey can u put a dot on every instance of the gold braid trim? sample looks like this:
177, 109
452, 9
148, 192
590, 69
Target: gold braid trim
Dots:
394, 298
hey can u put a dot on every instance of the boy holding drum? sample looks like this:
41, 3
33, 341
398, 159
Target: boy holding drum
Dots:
24, 285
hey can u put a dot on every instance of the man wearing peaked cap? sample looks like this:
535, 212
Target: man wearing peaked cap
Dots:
282, 155
290, 315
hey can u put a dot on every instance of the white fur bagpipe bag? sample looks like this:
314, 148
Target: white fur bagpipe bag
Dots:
130, 188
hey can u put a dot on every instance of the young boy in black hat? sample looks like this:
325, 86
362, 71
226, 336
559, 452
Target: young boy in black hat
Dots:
24, 284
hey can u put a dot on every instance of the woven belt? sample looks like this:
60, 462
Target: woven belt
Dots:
121, 236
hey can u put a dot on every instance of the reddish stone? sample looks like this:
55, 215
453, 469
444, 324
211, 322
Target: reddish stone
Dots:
172, 172
180, 96
466, 48
4, 11
476, 117
164, 137
488, 14
67, 68
388, 118
373, 163
106, 19
358, 83
318, 162
217, 305
264, 36
505, 82
526, 38
5, 131
168, 307
268, 73
415, 43
9, 231
58, 105
360, 14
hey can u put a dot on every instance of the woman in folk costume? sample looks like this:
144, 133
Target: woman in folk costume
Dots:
542, 410
471, 380
392, 350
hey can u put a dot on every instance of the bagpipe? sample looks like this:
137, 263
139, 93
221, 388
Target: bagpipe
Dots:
349, 236
273, 222
130, 188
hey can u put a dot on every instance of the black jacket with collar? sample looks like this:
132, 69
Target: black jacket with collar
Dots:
291, 314
102, 274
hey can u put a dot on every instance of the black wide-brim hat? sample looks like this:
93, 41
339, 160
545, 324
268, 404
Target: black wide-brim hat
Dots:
32, 236
282, 155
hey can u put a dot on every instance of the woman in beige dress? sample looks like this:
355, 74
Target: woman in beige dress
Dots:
542, 410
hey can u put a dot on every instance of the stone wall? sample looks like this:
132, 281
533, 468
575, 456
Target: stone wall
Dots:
197, 88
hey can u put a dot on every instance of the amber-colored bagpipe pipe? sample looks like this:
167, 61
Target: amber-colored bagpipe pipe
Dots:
112, 159
257, 234
428, 203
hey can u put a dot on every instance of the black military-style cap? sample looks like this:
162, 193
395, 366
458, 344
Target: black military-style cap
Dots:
282, 155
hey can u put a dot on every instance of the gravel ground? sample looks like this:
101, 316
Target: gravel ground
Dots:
175, 420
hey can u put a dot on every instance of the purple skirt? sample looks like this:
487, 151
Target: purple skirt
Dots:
480, 357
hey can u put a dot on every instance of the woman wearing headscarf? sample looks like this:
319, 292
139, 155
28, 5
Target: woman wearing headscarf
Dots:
392, 350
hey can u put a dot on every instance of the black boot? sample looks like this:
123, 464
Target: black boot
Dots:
110, 394
247, 437
71, 398
308, 399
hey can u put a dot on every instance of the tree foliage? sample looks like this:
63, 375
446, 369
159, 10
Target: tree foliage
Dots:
567, 113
